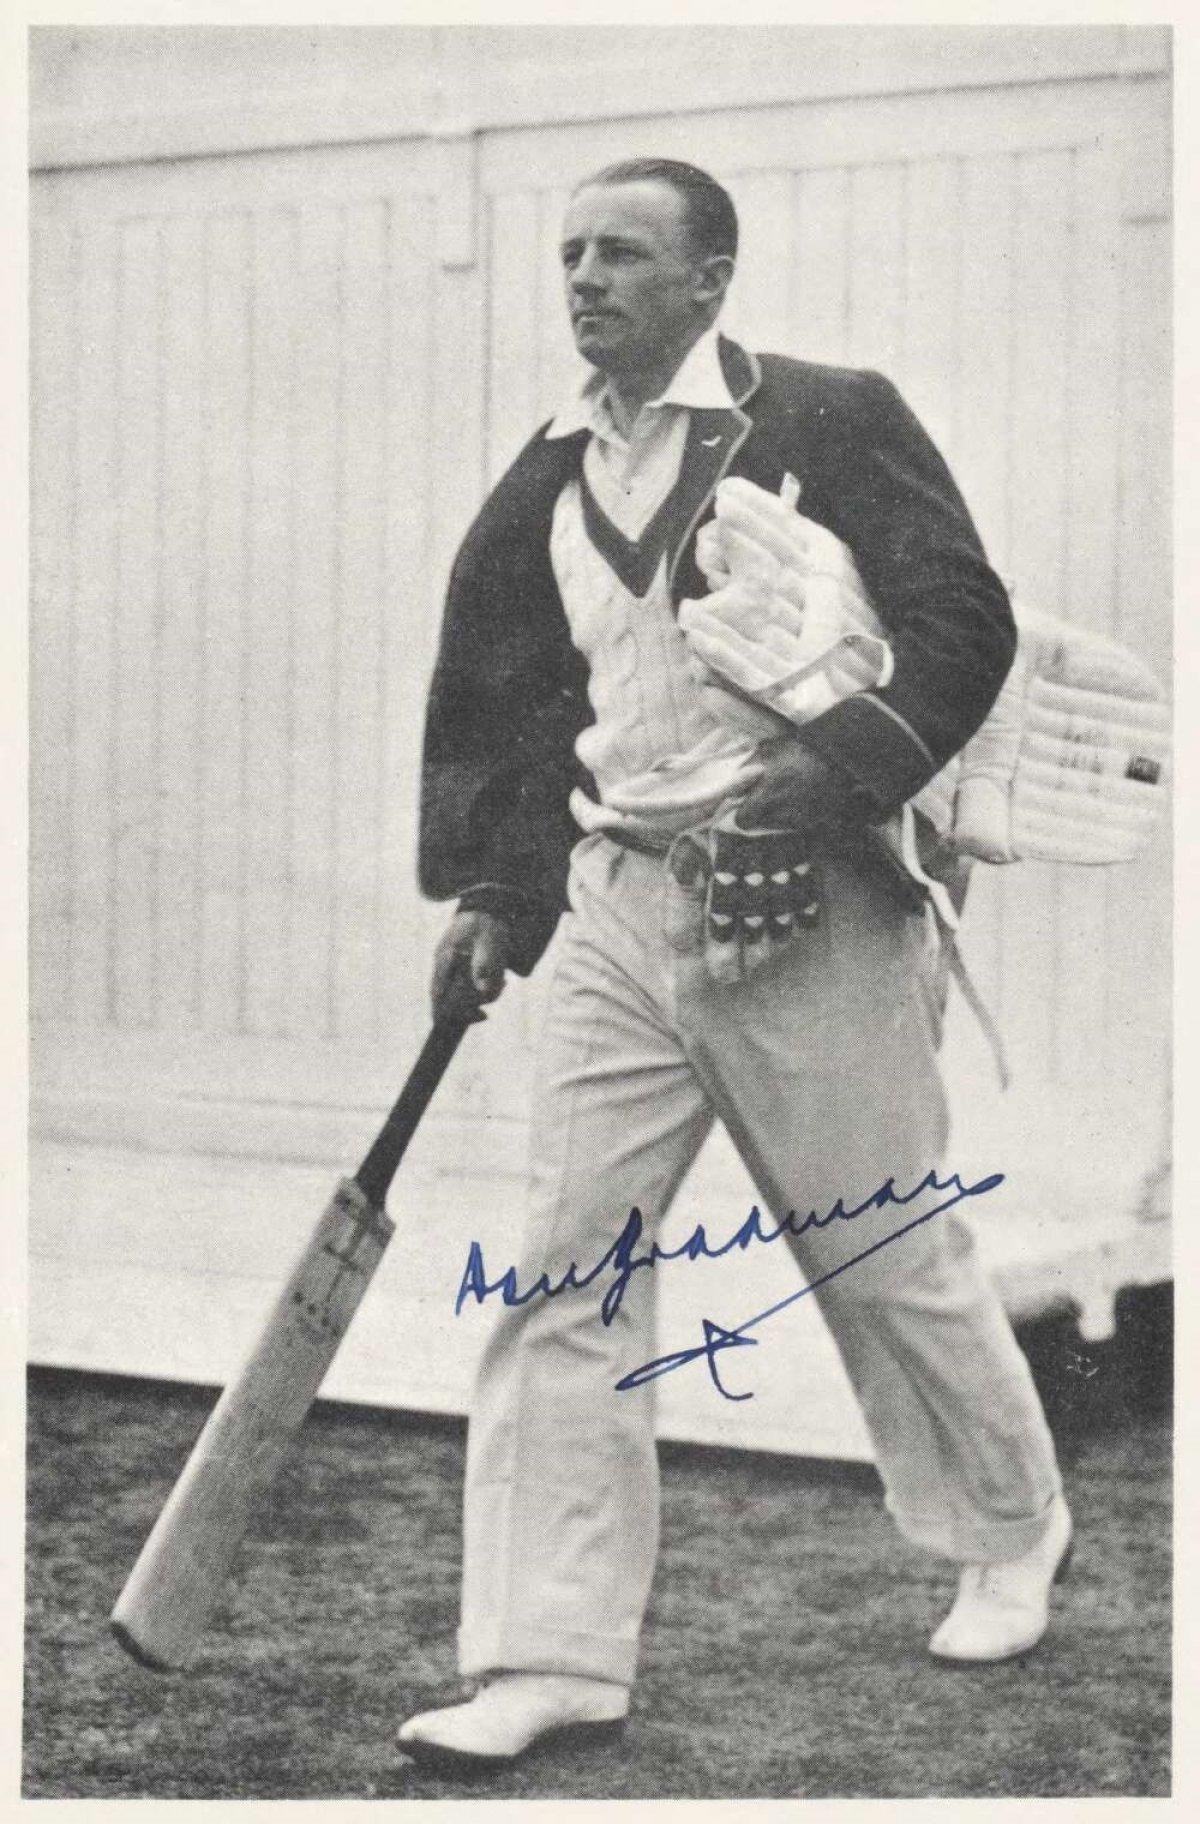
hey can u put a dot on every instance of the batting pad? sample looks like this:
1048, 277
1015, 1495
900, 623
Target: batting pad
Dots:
1070, 764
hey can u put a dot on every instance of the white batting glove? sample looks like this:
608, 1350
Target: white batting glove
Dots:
787, 625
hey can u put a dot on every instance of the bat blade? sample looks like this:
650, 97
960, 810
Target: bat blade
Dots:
172, 1589
165, 1605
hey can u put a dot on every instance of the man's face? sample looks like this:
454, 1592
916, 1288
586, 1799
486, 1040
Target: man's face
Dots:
635, 292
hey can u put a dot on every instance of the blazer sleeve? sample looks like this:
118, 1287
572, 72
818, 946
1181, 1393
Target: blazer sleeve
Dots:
498, 754
887, 493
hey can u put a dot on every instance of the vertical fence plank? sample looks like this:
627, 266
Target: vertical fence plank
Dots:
878, 229
133, 754
514, 248
557, 362
985, 368
930, 356
181, 663
1094, 357
95, 598
1038, 452
230, 331
320, 427
457, 449
53, 557
759, 298
1142, 557
412, 600
821, 277
357, 783
273, 525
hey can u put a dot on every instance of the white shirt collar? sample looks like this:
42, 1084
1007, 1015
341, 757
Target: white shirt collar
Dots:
698, 383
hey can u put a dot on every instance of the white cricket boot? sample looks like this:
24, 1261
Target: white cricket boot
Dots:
1002, 1609
509, 1715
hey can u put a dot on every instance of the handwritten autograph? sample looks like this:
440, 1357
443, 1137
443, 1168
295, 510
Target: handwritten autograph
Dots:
623, 1261
716, 1337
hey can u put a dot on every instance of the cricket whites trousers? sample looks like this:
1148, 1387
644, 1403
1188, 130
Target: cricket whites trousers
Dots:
821, 1065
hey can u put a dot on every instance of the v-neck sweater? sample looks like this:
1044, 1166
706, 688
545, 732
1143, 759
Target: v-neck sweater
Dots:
612, 532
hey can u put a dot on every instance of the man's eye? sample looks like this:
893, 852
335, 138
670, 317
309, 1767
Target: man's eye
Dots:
607, 255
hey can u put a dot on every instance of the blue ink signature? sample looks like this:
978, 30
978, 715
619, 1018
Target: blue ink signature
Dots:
623, 1260
716, 1337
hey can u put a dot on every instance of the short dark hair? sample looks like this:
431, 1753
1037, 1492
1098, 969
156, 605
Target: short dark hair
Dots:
711, 217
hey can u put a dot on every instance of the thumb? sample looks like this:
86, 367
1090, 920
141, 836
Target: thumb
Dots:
487, 961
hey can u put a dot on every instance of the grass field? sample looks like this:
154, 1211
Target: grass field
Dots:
784, 1651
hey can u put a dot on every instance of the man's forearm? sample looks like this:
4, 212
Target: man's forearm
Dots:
891, 498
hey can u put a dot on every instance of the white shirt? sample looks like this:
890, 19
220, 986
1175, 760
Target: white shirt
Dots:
631, 476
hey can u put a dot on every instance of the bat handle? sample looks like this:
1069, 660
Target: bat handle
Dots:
377, 1170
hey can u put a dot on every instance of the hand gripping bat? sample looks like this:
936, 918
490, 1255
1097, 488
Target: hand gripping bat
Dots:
163, 1609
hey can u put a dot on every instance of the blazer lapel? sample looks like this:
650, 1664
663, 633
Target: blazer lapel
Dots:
750, 447
739, 440
733, 442
553, 463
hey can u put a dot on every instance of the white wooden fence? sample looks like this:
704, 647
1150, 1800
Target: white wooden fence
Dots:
269, 389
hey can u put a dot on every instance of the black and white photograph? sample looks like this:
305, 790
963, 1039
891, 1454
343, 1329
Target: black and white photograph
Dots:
600, 910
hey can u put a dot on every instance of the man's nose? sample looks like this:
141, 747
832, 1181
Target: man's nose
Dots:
587, 274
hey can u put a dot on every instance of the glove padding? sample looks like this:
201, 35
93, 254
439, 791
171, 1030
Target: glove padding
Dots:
788, 627
766, 883
764, 889
753, 530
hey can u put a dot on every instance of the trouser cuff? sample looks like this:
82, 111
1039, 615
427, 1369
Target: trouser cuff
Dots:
975, 1539
516, 1647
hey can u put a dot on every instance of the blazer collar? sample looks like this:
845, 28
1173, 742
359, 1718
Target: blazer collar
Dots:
743, 375
715, 375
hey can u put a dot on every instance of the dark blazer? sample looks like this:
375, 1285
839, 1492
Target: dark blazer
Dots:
509, 692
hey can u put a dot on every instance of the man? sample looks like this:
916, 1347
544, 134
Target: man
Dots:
574, 750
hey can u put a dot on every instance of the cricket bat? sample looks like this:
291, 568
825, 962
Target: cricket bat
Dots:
164, 1607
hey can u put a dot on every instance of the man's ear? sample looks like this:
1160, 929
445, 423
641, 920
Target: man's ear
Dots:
712, 278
